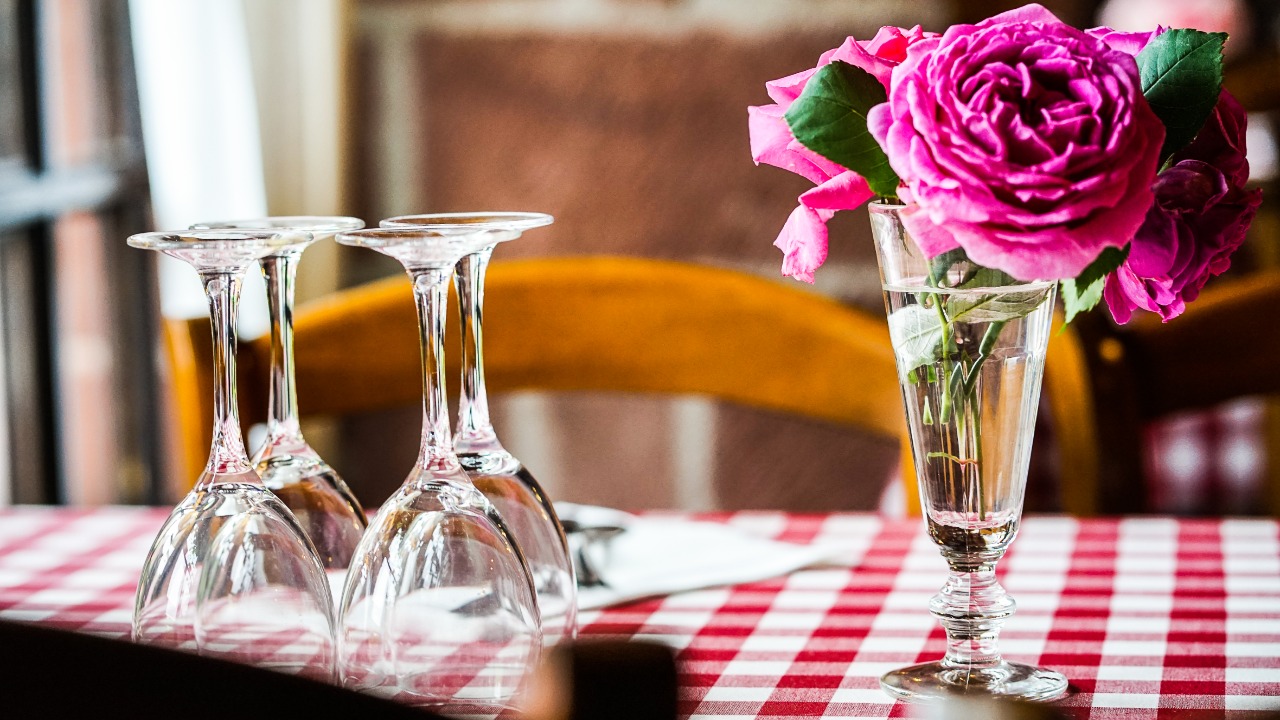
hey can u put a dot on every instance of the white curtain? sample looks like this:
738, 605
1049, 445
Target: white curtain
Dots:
200, 130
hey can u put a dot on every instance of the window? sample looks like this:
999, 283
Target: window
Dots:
77, 388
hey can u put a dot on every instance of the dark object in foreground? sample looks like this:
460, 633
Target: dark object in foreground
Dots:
60, 674
51, 674
606, 680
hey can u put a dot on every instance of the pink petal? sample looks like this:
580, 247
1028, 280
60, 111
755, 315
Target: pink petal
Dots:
933, 239
879, 118
846, 191
852, 52
1027, 13
891, 42
826, 167
1131, 43
772, 144
803, 242
1120, 306
784, 91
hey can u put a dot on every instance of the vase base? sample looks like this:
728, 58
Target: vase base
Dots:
936, 681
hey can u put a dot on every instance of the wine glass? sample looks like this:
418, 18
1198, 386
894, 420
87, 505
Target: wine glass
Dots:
497, 473
231, 572
306, 484
439, 607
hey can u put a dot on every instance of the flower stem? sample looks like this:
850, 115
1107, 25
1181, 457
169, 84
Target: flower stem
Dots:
976, 410
944, 411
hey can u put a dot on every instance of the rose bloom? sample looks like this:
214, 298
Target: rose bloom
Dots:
803, 239
1199, 219
1022, 140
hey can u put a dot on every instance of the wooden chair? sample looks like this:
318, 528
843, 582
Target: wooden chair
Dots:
602, 324
662, 327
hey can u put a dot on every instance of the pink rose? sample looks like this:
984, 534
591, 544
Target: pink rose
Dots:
1022, 140
1199, 219
803, 239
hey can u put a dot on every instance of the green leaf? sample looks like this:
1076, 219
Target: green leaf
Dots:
941, 264
985, 277
1181, 74
916, 332
830, 118
1083, 292
995, 307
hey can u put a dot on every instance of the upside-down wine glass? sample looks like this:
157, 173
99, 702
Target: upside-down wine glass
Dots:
439, 608
306, 484
231, 572
497, 473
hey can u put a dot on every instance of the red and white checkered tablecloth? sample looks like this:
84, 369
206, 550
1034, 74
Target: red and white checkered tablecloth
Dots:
1148, 618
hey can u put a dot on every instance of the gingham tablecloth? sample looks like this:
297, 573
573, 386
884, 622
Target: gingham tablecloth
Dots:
1148, 618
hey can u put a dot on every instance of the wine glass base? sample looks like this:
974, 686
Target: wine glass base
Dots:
939, 680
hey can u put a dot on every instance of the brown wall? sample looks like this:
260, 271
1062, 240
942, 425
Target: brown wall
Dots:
626, 119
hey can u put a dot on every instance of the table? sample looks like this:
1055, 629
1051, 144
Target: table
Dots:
1148, 617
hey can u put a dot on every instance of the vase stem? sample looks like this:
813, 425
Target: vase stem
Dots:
972, 608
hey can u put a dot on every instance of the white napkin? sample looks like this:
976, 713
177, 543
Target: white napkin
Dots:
661, 556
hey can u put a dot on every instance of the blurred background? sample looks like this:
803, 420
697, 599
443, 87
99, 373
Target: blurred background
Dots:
626, 119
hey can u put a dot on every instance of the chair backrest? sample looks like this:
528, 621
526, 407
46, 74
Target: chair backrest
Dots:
602, 324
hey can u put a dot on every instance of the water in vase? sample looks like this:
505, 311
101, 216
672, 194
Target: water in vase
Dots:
970, 363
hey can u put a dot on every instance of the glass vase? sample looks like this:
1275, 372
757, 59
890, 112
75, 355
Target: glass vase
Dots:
970, 345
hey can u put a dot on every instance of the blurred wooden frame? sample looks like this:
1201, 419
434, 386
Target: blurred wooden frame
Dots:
615, 324
1222, 348
602, 324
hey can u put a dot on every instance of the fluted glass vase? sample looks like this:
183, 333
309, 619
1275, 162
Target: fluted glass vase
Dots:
970, 344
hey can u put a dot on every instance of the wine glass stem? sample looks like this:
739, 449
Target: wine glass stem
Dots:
430, 286
227, 455
280, 273
475, 431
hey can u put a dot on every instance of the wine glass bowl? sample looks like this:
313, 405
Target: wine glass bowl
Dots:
323, 504
459, 628
495, 472
439, 607
528, 512
274, 612
231, 573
